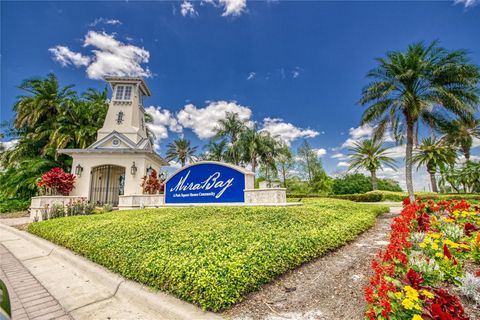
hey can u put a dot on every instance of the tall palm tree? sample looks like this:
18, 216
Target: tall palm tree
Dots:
231, 127
181, 151
217, 150
370, 154
460, 133
433, 154
409, 85
42, 104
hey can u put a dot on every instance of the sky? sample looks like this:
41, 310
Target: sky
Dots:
296, 68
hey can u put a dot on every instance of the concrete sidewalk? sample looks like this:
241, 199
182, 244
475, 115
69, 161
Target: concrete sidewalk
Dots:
86, 290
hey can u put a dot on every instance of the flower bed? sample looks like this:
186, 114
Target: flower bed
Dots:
430, 245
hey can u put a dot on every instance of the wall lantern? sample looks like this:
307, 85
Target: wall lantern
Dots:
78, 170
149, 170
133, 169
162, 176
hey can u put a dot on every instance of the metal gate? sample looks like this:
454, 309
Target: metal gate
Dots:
107, 183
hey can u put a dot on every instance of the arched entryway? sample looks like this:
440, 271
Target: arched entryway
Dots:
106, 184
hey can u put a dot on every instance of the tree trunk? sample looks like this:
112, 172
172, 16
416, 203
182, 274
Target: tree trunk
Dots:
374, 180
466, 152
433, 181
284, 174
408, 159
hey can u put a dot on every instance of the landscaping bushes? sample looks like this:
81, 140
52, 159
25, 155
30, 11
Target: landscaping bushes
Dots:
13, 205
211, 256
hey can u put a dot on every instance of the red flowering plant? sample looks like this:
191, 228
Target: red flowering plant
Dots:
429, 242
150, 183
57, 182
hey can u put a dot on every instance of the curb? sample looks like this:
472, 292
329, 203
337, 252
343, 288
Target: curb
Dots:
165, 304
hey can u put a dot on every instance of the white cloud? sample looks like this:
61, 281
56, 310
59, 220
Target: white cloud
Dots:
467, 3
362, 133
65, 57
115, 58
233, 7
296, 72
475, 143
251, 75
105, 21
397, 152
340, 156
286, 131
110, 57
343, 164
187, 9
163, 121
9, 144
203, 121
320, 152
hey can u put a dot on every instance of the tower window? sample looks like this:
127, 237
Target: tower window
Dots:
123, 93
120, 117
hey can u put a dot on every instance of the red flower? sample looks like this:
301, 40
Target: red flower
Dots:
469, 228
446, 252
414, 278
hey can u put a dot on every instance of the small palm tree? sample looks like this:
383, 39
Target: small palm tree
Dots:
217, 150
181, 151
433, 154
370, 154
231, 127
460, 133
409, 85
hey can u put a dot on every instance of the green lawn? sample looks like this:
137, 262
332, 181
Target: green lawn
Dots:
210, 256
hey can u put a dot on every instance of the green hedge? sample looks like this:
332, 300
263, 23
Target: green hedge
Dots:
377, 196
13, 205
211, 256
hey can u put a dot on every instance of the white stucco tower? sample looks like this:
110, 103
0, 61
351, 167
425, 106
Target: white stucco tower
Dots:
123, 153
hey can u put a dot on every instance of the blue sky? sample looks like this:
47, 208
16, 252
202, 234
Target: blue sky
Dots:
296, 67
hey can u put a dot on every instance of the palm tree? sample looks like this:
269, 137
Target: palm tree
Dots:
285, 162
217, 150
460, 133
252, 145
43, 102
231, 127
181, 151
433, 154
370, 154
409, 85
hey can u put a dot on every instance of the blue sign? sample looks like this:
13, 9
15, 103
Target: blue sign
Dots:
206, 183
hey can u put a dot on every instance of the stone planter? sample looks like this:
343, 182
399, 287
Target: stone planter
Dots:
266, 196
40, 203
138, 201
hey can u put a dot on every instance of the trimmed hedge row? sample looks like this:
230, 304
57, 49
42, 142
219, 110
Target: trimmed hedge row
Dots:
377, 196
210, 256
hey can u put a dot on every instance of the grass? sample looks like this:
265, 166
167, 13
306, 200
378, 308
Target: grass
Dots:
8, 206
210, 256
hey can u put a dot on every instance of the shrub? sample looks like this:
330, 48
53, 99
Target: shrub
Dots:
12, 205
210, 256
56, 181
360, 183
151, 184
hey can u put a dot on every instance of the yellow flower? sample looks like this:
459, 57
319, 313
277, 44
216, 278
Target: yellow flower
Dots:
417, 317
398, 295
434, 246
422, 245
439, 254
427, 294
408, 304
434, 235
427, 240
411, 293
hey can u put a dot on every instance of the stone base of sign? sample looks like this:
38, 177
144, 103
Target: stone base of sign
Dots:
138, 201
41, 203
267, 195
